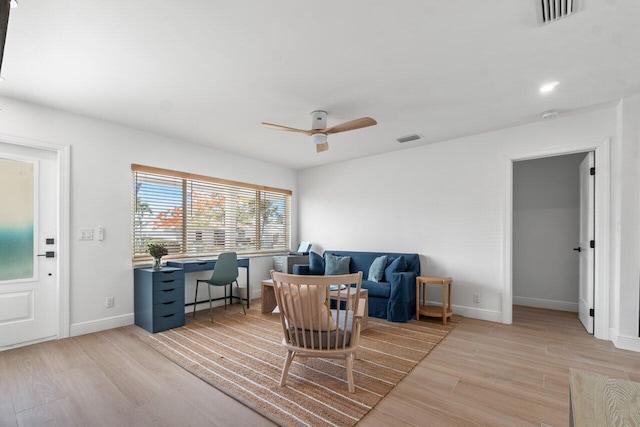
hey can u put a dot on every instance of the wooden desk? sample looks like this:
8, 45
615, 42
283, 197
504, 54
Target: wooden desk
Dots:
598, 400
193, 265
433, 310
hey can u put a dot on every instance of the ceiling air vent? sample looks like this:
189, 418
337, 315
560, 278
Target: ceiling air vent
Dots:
408, 138
552, 10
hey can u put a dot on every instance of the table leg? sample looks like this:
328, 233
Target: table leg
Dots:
248, 288
418, 300
444, 303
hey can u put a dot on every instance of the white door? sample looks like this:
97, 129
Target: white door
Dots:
586, 252
29, 287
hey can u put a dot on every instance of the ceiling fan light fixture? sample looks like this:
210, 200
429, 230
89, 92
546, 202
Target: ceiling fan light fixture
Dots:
319, 138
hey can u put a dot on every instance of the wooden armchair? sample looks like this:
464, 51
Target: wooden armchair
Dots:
310, 328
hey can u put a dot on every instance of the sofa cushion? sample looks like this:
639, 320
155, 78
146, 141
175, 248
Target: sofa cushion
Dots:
376, 271
336, 264
395, 265
377, 289
316, 264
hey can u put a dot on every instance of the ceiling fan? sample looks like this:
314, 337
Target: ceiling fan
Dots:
319, 129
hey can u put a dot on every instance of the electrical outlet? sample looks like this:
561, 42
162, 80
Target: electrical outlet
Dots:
109, 303
476, 298
86, 234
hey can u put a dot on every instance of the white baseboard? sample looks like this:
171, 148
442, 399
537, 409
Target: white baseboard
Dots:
100, 325
625, 342
477, 313
546, 303
472, 312
128, 319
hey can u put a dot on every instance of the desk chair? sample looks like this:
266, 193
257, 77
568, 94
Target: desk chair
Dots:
224, 273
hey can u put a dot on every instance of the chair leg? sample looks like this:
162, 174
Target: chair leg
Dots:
210, 306
285, 368
241, 301
195, 299
349, 364
225, 297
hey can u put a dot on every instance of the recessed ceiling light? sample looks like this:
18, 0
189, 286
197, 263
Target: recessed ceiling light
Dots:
548, 87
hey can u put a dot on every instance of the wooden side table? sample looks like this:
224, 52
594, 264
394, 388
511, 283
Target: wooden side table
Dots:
443, 312
268, 302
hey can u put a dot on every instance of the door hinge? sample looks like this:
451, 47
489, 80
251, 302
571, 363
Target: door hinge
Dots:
592, 171
591, 312
592, 244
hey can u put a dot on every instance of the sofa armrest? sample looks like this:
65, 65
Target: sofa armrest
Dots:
302, 269
402, 301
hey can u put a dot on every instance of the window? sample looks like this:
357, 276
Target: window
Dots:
195, 215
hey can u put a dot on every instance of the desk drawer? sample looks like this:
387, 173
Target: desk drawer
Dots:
168, 284
199, 266
163, 276
162, 323
169, 307
168, 295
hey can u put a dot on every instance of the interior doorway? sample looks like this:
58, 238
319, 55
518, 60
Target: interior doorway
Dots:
548, 262
601, 229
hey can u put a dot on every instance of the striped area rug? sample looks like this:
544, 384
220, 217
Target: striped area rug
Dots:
242, 356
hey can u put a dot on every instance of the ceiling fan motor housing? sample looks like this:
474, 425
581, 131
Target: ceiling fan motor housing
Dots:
319, 119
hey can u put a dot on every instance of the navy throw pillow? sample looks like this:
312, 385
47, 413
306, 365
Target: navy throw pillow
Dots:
397, 265
316, 264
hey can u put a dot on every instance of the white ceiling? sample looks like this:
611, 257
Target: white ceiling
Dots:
209, 71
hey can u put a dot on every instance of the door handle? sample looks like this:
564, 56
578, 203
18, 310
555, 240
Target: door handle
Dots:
48, 254
577, 249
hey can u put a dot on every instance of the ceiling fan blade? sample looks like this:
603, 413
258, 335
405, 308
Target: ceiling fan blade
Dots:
351, 125
285, 128
322, 147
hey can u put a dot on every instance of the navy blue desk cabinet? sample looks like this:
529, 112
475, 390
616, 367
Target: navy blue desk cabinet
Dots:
158, 298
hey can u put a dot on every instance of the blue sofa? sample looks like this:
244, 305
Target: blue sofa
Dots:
394, 297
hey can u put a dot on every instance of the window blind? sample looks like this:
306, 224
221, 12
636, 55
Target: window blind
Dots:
195, 215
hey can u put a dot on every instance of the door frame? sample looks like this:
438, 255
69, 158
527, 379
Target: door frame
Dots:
602, 229
63, 175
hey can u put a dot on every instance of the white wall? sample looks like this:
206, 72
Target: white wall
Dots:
546, 209
626, 220
101, 158
443, 201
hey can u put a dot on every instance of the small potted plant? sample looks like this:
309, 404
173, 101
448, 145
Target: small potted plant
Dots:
157, 251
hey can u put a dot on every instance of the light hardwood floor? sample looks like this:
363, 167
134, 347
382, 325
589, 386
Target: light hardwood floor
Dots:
483, 373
